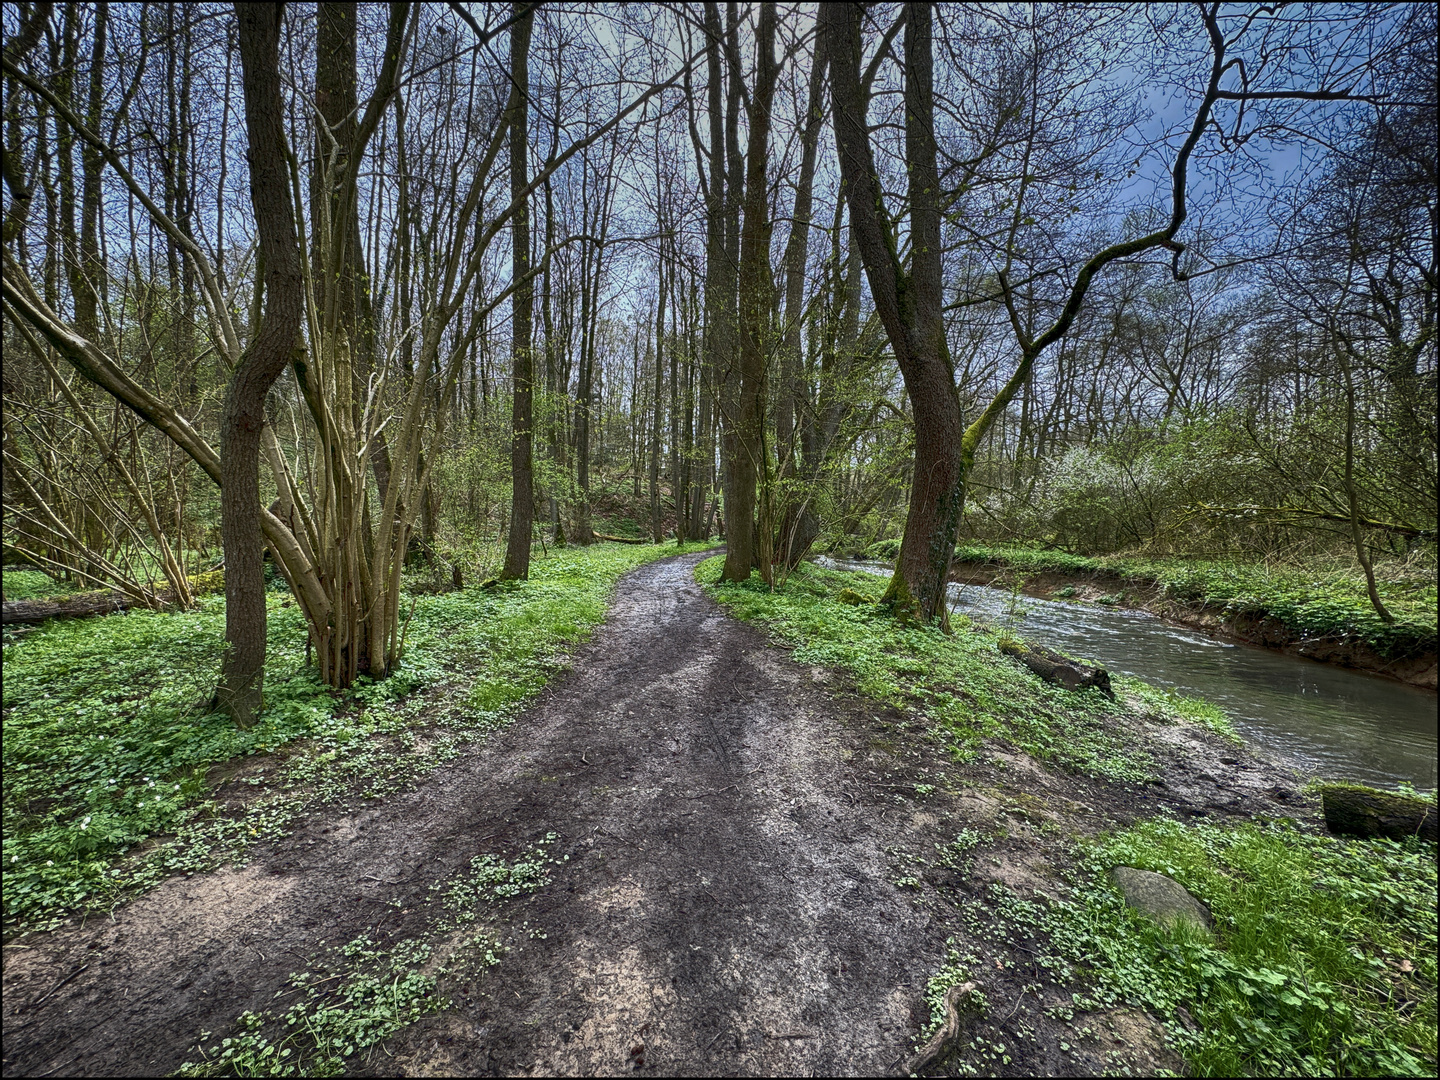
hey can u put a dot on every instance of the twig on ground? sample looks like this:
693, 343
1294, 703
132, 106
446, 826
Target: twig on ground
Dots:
44, 997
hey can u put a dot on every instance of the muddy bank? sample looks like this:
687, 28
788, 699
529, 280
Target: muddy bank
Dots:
1264, 631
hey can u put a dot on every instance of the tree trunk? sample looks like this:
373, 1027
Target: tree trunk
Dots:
242, 678
1058, 669
716, 324
744, 437
655, 530
677, 491
795, 419
522, 501
908, 302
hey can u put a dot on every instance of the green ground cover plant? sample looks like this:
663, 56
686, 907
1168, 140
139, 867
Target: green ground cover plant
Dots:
1318, 602
353, 997
959, 682
34, 585
112, 765
1323, 961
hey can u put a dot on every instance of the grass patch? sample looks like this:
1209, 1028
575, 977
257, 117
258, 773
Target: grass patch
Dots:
111, 766
1310, 602
959, 682
1325, 958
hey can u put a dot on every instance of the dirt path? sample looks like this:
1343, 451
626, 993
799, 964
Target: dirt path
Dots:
727, 904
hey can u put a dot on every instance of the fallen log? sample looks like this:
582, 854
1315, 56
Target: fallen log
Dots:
76, 605
1060, 670
1356, 810
97, 602
622, 539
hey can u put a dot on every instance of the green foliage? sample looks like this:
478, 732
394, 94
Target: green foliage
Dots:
106, 744
111, 762
1164, 704
1311, 603
1325, 958
492, 879
958, 682
886, 550
34, 585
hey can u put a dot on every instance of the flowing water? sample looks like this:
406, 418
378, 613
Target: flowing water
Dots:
1339, 723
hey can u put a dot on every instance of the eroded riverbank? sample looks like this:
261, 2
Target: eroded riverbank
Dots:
1266, 632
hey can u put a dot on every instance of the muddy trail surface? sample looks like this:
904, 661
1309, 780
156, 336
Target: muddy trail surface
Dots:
725, 906
741, 881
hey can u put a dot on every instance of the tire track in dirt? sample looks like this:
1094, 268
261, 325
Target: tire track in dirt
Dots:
726, 907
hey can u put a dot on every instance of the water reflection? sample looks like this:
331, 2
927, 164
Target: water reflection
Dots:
1336, 722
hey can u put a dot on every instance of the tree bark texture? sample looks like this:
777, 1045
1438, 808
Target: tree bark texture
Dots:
908, 302
715, 344
522, 499
242, 679
744, 445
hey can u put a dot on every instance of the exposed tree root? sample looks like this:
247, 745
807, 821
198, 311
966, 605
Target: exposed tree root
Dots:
944, 1039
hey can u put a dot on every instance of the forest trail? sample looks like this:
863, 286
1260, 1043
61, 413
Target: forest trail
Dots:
726, 906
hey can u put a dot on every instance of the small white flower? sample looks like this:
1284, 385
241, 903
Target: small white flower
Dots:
49, 862
14, 858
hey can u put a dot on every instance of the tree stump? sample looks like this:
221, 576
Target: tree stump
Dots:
1060, 670
1356, 810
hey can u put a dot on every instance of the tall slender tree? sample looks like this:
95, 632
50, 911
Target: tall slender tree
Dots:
522, 473
242, 678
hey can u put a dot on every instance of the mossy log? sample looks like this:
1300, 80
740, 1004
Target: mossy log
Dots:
76, 605
1058, 669
97, 602
1356, 810
622, 539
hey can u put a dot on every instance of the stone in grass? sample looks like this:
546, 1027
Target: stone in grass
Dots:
1164, 899
853, 598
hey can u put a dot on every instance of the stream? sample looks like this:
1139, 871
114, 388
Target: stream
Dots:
1338, 723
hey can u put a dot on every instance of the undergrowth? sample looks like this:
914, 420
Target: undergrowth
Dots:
1323, 961
1311, 602
34, 585
113, 770
960, 682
